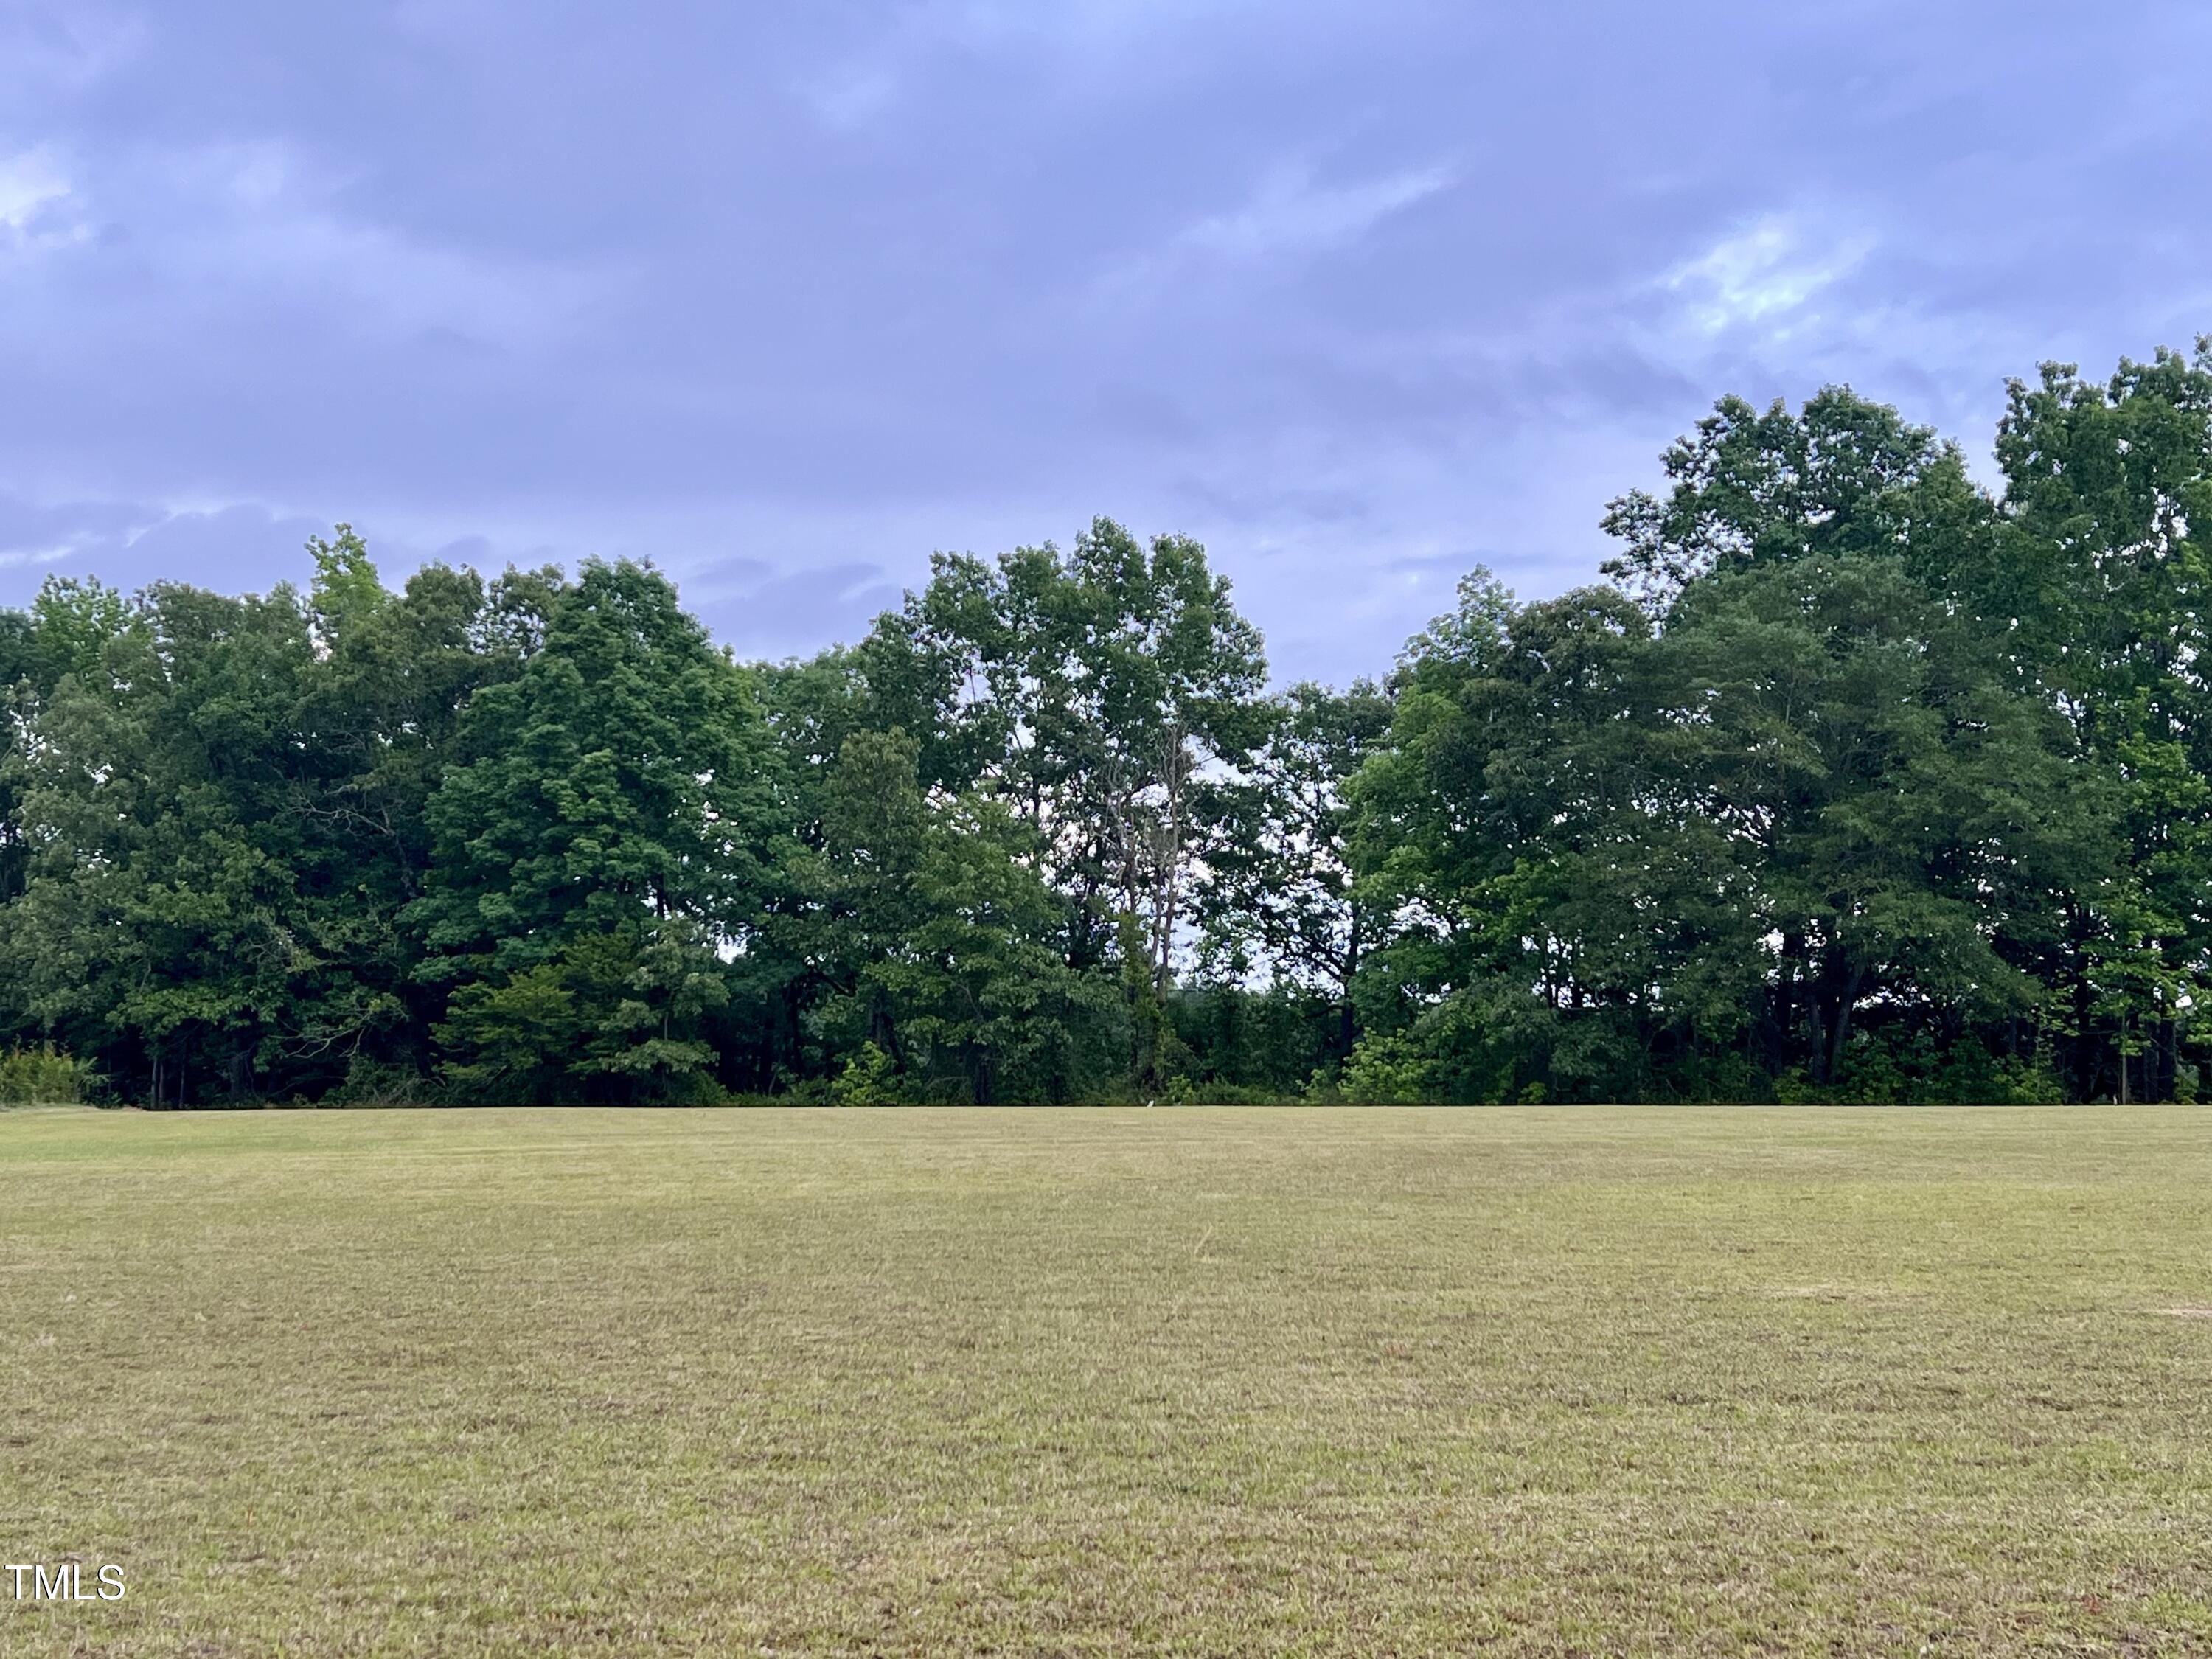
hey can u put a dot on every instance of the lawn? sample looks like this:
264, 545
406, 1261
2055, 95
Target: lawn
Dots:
1543, 1381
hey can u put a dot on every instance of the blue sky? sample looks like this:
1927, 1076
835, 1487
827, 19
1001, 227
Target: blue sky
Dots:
786, 296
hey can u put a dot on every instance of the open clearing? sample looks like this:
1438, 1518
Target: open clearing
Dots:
1554, 1381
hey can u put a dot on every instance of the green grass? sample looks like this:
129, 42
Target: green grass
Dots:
1208, 1381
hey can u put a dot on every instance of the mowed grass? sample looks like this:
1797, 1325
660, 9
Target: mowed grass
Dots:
1584, 1380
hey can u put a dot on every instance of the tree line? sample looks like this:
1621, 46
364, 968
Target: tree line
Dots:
1855, 779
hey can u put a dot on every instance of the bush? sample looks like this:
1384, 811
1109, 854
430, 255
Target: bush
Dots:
41, 1077
376, 1083
1911, 1067
870, 1078
1182, 1091
1386, 1070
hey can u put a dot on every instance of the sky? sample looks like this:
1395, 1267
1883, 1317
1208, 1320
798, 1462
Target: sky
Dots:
785, 297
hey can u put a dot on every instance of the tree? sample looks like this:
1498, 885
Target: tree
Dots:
2102, 577
18, 643
161, 928
1854, 713
384, 709
954, 988
1857, 782
1091, 692
601, 837
1632, 859
1494, 826
1843, 475
1276, 894
1904, 823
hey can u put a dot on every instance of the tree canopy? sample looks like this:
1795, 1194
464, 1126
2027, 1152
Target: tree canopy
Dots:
1857, 779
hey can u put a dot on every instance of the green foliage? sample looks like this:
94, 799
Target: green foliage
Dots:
73, 623
166, 923
602, 1019
1277, 898
1092, 693
601, 832
870, 1078
1239, 1043
951, 976
1858, 782
1897, 1067
347, 592
371, 1082
1682, 848
42, 1077
1384, 1069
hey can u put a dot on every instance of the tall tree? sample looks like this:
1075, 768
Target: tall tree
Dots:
1276, 895
1091, 692
953, 989
384, 709
18, 644
2102, 576
1750, 487
599, 839
1904, 823
161, 930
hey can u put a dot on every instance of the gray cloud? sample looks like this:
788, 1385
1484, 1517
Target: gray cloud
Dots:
785, 299
771, 614
244, 546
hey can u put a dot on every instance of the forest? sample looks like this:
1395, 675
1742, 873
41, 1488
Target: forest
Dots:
1859, 778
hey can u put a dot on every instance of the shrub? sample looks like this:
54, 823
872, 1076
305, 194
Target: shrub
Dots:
870, 1078
1182, 1091
1386, 1071
41, 1077
376, 1083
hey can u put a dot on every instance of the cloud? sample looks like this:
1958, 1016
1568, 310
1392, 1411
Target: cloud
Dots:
34, 533
29, 183
127, 545
1288, 222
1764, 275
849, 95
48, 47
1306, 503
1291, 214
770, 613
1096, 30
1346, 291
254, 546
261, 216
37, 212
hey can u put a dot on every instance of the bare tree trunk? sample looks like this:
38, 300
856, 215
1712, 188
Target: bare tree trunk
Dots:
1347, 1031
1844, 1001
1175, 771
1785, 997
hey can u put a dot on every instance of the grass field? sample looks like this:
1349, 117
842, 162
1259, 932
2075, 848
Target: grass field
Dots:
1554, 1381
